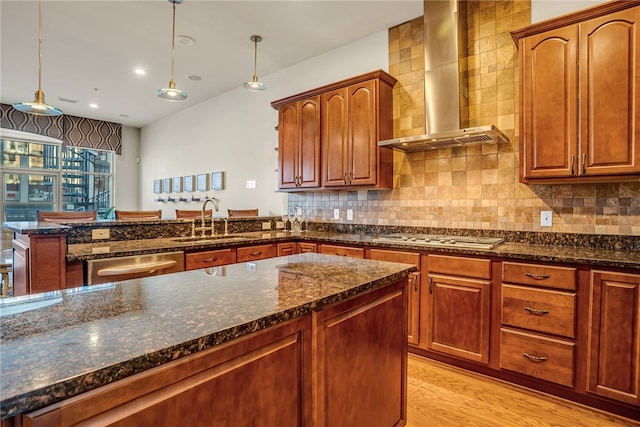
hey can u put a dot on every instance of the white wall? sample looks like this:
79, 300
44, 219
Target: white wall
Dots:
235, 132
126, 193
546, 9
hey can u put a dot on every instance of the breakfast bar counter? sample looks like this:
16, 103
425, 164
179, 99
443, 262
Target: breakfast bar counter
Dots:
83, 341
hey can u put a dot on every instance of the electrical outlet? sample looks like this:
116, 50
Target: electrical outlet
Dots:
336, 214
251, 184
251, 266
100, 233
546, 218
349, 214
266, 225
279, 225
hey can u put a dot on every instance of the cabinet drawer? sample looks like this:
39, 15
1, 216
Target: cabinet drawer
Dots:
342, 251
306, 247
460, 266
285, 249
395, 256
204, 259
539, 309
539, 275
252, 253
541, 357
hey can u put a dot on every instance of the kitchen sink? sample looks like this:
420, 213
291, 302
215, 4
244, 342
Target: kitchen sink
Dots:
213, 239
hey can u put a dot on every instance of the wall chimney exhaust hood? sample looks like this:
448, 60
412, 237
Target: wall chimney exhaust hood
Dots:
446, 99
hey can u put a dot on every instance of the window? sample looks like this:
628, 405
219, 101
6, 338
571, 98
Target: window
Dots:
41, 176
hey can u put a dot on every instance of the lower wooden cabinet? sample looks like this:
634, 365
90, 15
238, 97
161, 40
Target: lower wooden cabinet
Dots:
288, 248
341, 251
614, 336
542, 357
459, 307
253, 253
206, 259
413, 291
304, 247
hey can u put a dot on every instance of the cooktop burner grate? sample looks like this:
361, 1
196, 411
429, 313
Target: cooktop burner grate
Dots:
436, 240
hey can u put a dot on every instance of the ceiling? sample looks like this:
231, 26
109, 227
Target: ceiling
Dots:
90, 48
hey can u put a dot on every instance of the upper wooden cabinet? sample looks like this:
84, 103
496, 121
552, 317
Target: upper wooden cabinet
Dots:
579, 96
328, 137
352, 121
299, 144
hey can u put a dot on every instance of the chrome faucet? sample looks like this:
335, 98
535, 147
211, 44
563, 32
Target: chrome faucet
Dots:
204, 206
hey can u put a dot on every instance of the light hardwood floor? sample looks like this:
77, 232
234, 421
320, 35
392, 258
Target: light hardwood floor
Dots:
444, 396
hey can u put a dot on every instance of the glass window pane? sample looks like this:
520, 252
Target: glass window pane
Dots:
25, 194
20, 154
86, 192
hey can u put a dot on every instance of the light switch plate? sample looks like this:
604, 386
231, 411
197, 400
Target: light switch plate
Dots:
266, 226
251, 184
349, 214
546, 218
336, 214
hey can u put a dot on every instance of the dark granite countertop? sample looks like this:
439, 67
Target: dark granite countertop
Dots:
517, 251
58, 344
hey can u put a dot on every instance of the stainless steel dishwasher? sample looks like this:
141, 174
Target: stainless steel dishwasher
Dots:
133, 267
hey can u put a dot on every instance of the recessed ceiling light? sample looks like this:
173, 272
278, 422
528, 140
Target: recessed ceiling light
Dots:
124, 115
93, 105
140, 71
194, 77
71, 101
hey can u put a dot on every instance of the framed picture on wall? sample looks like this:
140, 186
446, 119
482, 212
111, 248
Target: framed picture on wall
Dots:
177, 184
217, 181
166, 185
188, 183
157, 186
202, 183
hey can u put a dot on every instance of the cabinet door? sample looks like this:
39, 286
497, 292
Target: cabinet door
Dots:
614, 336
335, 133
363, 138
610, 94
413, 330
288, 145
549, 113
299, 143
458, 320
309, 143
306, 247
285, 249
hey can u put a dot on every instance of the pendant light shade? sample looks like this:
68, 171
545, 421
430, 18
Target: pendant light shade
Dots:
254, 84
171, 93
38, 106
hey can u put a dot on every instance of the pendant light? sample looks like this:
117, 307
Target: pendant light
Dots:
38, 106
171, 93
254, 84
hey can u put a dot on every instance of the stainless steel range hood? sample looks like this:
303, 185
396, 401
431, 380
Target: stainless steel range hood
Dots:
446, 103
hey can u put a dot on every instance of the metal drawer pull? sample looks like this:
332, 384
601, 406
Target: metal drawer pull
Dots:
537, 276
339, 254
536, 359
210, 259
536, 311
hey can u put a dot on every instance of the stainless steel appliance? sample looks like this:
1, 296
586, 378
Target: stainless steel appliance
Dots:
132, 267
436, 240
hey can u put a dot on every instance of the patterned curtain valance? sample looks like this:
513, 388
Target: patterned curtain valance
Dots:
72, 130
10, 118
89, 133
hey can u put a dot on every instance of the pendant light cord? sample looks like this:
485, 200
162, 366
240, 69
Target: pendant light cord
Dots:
173, 38
40, 46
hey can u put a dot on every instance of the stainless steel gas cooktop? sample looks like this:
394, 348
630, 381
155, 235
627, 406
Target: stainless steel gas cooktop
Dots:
434, 240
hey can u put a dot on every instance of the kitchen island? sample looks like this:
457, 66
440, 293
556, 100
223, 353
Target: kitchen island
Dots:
283, 341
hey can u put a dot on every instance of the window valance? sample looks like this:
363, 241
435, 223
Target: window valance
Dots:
72, 130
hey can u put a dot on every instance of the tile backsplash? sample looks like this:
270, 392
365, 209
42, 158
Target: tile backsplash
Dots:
474, 187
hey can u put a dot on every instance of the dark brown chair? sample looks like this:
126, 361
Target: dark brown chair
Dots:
62, 217
189, 214
138, 215
242, 212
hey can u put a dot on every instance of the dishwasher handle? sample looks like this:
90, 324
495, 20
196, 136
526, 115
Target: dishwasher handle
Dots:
150, 267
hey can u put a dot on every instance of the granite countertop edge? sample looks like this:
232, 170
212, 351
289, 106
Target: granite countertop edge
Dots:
507, 250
